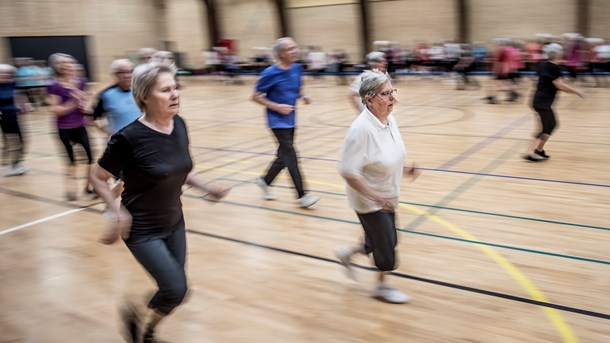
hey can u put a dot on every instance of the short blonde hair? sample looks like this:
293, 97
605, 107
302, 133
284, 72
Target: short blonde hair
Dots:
144, 79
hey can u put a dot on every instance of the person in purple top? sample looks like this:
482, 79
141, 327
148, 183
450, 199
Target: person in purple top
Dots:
68, 102
278, 89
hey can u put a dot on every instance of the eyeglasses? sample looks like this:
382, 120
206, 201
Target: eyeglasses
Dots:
121, 73
387, 94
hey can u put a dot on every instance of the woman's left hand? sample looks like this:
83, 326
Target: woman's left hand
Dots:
412, 171
217, 192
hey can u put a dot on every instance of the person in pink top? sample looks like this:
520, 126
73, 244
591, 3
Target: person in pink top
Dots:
68, 102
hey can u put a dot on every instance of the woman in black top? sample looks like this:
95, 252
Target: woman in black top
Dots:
549, 81
151, 155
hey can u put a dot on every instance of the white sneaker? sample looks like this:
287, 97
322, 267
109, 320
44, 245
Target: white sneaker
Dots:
344, 255
267, 193
16, 170
307, 200
390, 294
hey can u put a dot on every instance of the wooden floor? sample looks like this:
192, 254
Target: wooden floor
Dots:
492, 248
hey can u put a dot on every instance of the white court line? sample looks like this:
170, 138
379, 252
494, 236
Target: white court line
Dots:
23, 226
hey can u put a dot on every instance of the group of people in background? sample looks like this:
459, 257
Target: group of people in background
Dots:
147, 159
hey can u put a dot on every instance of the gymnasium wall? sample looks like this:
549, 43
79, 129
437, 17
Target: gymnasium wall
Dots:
599, 16
114, 26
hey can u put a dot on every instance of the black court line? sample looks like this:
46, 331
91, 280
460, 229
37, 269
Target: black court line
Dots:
412, 277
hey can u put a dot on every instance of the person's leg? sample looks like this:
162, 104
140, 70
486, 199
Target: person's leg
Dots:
65, 137
164, 259
548, 123
278, 164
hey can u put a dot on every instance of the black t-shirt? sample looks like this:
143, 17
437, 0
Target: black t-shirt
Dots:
546, 90
154, 166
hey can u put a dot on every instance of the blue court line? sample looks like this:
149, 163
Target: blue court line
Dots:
346, 221
411, 277
486, 142
492, 214
422, 168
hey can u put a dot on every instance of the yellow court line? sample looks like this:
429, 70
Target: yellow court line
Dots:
553, 315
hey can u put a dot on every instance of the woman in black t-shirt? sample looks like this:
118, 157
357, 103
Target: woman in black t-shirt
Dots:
151, 155
549, 81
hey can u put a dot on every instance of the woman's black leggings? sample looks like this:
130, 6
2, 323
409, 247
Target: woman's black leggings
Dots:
163, 257
76, 135
380, 238
548, 120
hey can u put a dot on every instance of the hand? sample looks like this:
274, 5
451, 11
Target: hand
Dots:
118, 225
306, 99
387, 203
284, 109
580, 93
217, 192
412, 171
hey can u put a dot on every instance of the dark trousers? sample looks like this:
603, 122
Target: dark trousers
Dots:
12, 140
163, 257
547, 120
286, 157
380, 238
76, 135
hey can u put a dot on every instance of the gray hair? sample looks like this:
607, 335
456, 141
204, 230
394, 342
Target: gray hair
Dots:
163, 57
372, 81
278, 45
553, 50
54, 60
7, 69
116, 64
374, 56
144, 79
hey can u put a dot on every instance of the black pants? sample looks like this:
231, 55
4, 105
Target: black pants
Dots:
13, 144
547, 119
164, 257
79, 136
286, 157
380, 238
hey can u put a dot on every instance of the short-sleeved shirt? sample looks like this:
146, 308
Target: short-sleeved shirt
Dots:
282, 87
118, 106
546, 89
8, 109
154, 166
376, 152
74, 118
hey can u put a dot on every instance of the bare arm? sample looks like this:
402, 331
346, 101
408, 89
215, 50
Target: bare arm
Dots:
59, 109
361, 186
119, 218
216, 192
558, 82
262, 99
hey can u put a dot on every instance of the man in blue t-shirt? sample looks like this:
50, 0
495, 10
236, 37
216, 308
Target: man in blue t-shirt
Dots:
278, 89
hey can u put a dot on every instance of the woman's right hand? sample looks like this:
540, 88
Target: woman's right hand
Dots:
118, 225
387, 203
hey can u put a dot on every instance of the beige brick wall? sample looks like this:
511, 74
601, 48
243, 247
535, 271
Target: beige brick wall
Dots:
186, 29
328, 27
253, 23
600, 19
521, 18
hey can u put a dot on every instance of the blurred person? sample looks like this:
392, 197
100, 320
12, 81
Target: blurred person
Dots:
500, 71
68, 101
372, 164
145, 55
152, 156
12, 139
549, 81
278, 89
117, 105
375, 60
163, 57
25, 81
574, 55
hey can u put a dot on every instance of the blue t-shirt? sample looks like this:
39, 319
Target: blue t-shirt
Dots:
282, 87
119, 106
8, 110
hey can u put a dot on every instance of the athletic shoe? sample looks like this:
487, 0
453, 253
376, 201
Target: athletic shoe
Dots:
267, 193
533, 158
307, 200
130, 323
390, 295
149, 337
16, 170
542, 154
344, 255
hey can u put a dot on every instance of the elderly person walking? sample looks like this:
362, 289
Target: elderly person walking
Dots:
278, 89
372, 164
152, 157
549, 81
